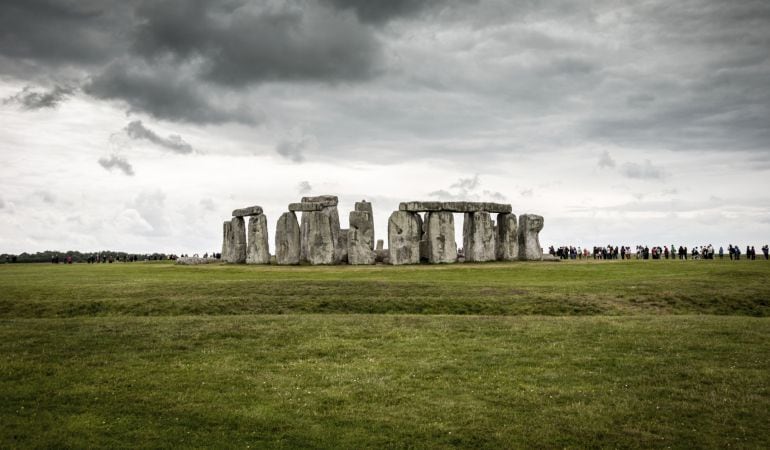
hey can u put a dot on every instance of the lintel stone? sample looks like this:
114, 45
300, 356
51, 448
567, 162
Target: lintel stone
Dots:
249, 211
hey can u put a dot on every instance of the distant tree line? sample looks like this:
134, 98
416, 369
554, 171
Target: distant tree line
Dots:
49, 256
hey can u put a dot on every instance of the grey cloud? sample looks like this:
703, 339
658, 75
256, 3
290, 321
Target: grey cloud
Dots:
208, 204
466, 184
293, 149
243, 43
495, 195
605, 160
526, 192
374, 11
2, 203
31, 100
136, 130
467, 189
304, 187
164, 93
117, 162
46, 196
644, 171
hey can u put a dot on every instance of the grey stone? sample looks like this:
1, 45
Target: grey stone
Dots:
440, 236
319, 238
258, 250
287, 239
341, 249
306, 206
507, 237
250, 211
227, 238
360, 237
364, 206
420, 206
529, 241
195, 260
479, 237
458, 207
468, 207
235, 241
404, 233
326, 200
380, 244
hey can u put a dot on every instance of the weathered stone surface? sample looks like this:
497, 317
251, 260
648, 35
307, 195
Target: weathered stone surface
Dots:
404, 232
380, 244
529, 241
250, 211
420, 206
341, 249
257, 250
306, 206
227, 238
479, 237
360, 237
458, 207
440, 236
507, 237
287, 239
319, 237
234, 245
467, 207
364, 206
326, 200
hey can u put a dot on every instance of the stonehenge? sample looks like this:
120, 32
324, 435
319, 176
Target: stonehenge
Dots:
479, 237
419, 231
529, 242
287, 239
360, 235
257, 249
404, 234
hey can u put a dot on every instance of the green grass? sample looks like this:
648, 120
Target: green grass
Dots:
612, 354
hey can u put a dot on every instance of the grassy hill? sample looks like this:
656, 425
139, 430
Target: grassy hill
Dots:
615, 354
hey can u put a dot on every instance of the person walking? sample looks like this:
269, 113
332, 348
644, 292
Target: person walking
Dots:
766, 251
721, 252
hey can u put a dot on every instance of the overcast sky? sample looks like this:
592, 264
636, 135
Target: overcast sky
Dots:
140, 125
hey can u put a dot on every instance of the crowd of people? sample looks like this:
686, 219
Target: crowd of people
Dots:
655, 252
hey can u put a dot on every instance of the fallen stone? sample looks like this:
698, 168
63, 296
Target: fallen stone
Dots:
440, 237
479, 237
360, 237
250, 211
404, 232
529, 241
507, 237
257, 251
287, 239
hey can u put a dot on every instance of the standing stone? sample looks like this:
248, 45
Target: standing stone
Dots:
404, 232
364, 206
360, 238
479, 237
529, 241
507, 237
287, 239
319, 239
320, 232
258, 251
227, 240
341, 249
237, 241
380, 244
440, 231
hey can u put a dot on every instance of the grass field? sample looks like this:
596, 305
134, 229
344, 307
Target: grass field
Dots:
571, 354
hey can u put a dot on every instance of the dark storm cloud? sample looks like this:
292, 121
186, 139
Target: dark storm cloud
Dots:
117, 162
162, 92
243, 43
62, 32
137, 130
376, 11
31, 100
